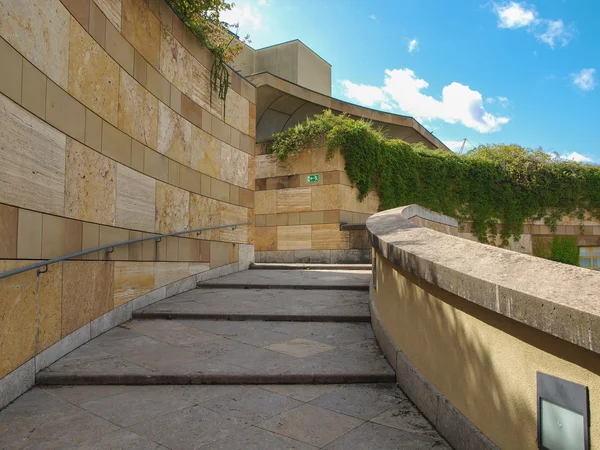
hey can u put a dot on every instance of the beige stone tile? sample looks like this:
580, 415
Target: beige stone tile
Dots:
176, 64
205, 252
136, 194
90, 185
172, 208
80, 10
265, 202
204, 212
112, 11
234, 194
331, 177
205, 182
294, 200
189, 179
237, 110
189, 249
207, 121
220, 129
138, 111
11, 72
93, 74
372, 202
156, 165
18, 318
234, 166
34, 90
41, 34
137, 156
90, 239
329, 237
252, 121
158, 85
60, 236
112, 235
142, 28
33, 160
29, 237
49, 307
246, 198
296, 237
219, 190
116, 144
293, 219
205, 153
251, 173
331, 216
118, 47
319, 161
97, 25
174, 135
201, 86
325, 197
220, 253
132, 279
312, 217
274, 220
140, 68
169, 272
149, 248
93, 130
87, 292
64, 112
299, 348
191, 111
135, 249
266, 239
196, 268
9, 220
174, 172
175, 99
230, 214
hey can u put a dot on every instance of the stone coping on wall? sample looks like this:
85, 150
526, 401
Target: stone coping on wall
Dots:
555, 298
267, 78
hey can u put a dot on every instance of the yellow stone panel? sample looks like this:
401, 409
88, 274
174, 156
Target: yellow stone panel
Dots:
136, 196
169, 272
372, 202
138, 111
329, 237
17, 317
325, 198
176, 63
87, 292
294, 238
229, 214
112, 11
93, 74
268, 166
132, 279
172, 208
319, 161
90, 185
174, 135
265, 238
142, 29
293, 200
201, 86
32, 173
205, 153
234, 165
265, 202
204, 212
237, 111
49, 307
39, 31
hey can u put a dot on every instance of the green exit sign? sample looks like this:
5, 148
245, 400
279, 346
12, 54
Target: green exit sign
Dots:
312, 178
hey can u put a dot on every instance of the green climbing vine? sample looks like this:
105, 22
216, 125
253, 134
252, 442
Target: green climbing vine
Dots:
496, 187
202, 18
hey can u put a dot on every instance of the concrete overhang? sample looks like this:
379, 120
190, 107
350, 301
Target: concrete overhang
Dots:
281, 104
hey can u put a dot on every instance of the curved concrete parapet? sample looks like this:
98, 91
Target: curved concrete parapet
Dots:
468, 326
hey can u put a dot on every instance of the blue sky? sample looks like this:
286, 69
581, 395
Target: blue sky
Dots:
491, 72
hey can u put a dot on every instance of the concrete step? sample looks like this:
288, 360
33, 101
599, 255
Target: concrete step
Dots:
293, 279
224, 352
309, 266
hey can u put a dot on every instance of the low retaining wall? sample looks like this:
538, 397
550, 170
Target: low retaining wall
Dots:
467, 327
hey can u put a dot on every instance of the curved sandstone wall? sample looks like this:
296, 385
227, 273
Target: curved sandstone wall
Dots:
107, 133
467, 327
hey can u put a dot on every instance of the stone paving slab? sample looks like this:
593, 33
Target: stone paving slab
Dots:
312, 266
301, 417
228, 352
260, 304
294, 279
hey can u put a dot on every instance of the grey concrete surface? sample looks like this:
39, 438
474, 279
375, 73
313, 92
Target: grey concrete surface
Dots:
216, 417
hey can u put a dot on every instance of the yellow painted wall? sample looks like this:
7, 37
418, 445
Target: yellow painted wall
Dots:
484, 363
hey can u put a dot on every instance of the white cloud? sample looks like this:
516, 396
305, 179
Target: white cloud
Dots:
585, 79
373, 17
515, 15
556, 33
247, 15
574, 156
504, 102
402, 92
490, 100
413, 46
455, 146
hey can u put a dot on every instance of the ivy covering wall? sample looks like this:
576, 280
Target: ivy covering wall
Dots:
489, 185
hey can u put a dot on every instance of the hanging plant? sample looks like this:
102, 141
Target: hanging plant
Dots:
202, 18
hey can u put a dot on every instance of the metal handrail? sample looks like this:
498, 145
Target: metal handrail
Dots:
111, 247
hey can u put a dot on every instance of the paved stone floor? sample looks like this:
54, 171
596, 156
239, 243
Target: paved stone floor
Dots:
302, 417
216, 383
